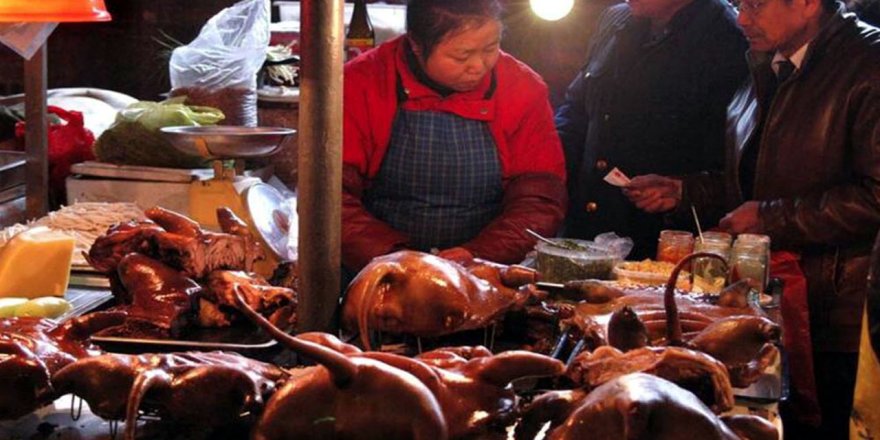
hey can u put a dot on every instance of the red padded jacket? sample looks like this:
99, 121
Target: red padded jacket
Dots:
519, 117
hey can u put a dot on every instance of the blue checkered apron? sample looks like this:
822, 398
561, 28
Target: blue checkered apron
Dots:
440, 179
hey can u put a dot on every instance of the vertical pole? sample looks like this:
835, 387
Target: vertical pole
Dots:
36, 141
320, 163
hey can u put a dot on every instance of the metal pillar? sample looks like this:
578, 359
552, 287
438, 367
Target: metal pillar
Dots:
36, 140
320, 163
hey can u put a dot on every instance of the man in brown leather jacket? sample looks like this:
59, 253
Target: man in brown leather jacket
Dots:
803, 166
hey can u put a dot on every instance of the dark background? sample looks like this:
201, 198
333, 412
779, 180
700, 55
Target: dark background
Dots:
123, 55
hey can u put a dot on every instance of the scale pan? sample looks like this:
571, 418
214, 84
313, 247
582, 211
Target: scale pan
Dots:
227, 142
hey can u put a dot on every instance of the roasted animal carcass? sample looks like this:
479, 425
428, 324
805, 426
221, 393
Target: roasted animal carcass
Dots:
638, 407
33, 349
218, 307
730, 331
162, 299
698, 373
198, 252
467, 386
179, 242
204, 390
420, 294
473, 386
345, 396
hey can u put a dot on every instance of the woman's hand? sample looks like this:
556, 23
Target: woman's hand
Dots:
654, 193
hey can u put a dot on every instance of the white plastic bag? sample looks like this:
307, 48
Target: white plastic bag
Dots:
219, 68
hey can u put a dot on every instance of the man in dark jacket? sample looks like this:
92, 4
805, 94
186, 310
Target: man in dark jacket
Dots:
803, 166
650, 99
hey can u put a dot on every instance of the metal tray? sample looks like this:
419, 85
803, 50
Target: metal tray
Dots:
226, 142
83, 300
243, 339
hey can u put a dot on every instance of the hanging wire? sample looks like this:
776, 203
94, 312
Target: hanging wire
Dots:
75, 409
114, 429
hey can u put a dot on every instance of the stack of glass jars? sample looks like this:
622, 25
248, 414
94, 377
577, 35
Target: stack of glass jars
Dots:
710, 274
750, 259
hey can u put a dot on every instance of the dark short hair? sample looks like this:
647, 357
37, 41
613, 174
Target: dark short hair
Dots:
830, 5
827, 5
429, 21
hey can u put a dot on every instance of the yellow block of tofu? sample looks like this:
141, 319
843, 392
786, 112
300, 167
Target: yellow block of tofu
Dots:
36, 263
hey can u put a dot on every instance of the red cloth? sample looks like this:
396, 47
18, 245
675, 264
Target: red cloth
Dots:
69, 143
518, 115
796, 336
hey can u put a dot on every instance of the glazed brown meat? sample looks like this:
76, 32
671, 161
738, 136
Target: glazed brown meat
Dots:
637, 407
178, 241
218, 306
162, 297
730, 331
467, 387
473, 386
423, 295
692, 370
120, 240
346, 397
205, 390
197, 252
33, 349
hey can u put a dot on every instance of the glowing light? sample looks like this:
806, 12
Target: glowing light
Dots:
551, 10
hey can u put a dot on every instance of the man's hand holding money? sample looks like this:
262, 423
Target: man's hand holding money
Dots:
654, 193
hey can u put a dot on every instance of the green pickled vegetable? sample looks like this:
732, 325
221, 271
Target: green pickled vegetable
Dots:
45, 307
8, 306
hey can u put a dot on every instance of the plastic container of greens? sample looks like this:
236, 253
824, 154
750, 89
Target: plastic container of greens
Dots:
574, 260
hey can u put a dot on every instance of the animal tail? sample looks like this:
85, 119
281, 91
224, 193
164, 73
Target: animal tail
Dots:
673, 323
341, 368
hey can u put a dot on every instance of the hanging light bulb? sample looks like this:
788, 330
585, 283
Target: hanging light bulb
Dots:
53, 10
551, 10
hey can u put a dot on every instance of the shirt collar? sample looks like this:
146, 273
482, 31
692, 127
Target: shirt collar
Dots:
797, 58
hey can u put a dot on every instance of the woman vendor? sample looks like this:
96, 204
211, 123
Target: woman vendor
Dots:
449, 143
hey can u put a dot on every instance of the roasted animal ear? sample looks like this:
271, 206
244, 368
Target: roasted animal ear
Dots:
502, 369
364, 291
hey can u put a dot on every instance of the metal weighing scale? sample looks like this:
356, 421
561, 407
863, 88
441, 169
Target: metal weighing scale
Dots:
265, 210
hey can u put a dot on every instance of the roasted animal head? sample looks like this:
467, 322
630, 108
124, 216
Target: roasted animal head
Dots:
639, 406
424, 295
33, 349
203, 389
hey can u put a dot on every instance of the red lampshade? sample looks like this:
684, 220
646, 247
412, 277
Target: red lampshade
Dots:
53, 10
